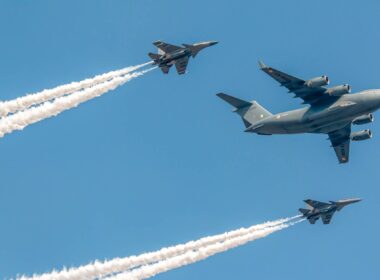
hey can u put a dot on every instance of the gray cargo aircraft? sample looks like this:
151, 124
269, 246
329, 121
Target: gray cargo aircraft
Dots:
331, 111
169, 55
324, 210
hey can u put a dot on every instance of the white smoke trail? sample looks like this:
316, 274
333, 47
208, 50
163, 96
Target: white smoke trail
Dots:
24, 102
20, 120
190, 257
100, 269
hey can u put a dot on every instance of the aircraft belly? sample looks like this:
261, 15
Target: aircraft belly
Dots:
322, 125
270, 129
314, 120
282, 127
171, 59
179, 56
326, 125
331, 120
297, 127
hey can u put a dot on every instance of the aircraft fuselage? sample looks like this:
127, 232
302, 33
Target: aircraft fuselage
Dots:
324, 210
317, 212
170, 58
323, 118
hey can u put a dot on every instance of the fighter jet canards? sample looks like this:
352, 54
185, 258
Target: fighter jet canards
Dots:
324, 210
331, 111
169, 55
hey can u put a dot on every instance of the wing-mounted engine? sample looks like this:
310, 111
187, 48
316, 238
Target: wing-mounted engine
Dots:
363, 119
318, 81
339, 90
361, 135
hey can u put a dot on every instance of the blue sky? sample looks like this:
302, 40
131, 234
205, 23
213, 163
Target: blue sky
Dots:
162, 160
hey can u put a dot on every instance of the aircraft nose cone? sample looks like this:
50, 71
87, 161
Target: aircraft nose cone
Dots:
354, 200
212, 43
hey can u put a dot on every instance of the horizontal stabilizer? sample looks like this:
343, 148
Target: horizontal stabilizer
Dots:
154, 56
304, 211
236, 102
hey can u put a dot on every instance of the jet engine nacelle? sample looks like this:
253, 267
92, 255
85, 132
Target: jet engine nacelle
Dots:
363, 119
339, 90
361, 135
318, 81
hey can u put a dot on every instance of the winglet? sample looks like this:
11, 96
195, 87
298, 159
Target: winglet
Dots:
262, 65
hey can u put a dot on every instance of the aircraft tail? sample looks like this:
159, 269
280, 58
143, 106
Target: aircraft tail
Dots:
154, 56
304, 211
250, 112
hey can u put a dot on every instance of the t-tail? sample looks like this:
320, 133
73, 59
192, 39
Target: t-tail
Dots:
251, 112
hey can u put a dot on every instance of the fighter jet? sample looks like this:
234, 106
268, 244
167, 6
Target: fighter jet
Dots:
331, 111
323, 210
169, 55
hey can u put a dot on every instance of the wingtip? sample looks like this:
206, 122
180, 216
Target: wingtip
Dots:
262, 65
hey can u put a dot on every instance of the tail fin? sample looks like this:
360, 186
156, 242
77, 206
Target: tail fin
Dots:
250, 112
154, 56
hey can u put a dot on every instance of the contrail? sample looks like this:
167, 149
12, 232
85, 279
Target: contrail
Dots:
100, 269
20, 120
32, 99
203, 253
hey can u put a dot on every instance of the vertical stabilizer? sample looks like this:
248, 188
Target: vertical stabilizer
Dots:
250, 112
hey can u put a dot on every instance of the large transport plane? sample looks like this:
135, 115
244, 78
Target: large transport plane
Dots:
169, 55
317, 209
331, 111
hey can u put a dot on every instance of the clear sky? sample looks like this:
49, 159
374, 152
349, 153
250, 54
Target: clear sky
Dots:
162, 160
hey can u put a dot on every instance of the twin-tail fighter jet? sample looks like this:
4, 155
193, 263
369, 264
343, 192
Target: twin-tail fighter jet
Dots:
331, 111
324, 210
169, 55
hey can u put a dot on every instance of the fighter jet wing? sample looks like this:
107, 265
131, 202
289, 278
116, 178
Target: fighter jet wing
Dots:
310, 95
326, 218
340, 141
167, 48
315, 203
181, 65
